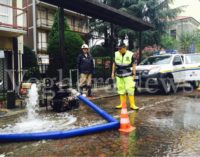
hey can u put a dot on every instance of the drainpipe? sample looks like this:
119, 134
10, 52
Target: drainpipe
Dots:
13, 70
20, 66
4, 78
34, 27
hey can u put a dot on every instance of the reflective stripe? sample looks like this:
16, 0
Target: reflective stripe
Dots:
124, 75
124, 111
124, 120
123, 65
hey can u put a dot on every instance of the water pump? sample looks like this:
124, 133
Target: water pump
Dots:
64, 98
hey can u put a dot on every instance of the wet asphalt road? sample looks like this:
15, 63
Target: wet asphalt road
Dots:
165, 126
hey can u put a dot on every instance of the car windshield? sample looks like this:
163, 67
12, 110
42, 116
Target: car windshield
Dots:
192, 59
156, 60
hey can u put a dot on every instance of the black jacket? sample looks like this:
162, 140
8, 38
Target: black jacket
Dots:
85, 64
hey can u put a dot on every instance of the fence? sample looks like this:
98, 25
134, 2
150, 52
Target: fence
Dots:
2, 75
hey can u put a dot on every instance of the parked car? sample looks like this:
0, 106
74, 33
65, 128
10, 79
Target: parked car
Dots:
166, 71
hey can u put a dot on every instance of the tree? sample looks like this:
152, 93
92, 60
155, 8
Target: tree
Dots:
168, 42
186, 39
29, 60
198, 40
155, 12
72, 47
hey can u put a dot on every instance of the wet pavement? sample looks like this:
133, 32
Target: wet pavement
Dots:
165, 126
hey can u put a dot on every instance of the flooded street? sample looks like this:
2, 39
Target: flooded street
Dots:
165, 126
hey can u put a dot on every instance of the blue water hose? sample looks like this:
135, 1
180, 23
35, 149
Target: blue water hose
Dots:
112, 124
101, 112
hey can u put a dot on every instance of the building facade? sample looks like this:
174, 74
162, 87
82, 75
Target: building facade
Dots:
12, 28
41, 18
183, 24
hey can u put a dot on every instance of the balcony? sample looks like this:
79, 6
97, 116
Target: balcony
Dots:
47, 24
44, 23
82, 30
12, 21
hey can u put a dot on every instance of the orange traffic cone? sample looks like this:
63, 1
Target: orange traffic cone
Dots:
125, 125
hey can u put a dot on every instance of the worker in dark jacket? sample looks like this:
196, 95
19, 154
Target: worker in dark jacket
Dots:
85, 67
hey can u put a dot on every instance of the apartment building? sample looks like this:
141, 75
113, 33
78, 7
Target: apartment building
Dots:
40, 21
12, 29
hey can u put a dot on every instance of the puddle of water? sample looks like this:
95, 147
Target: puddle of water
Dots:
42, 123
2, 113
184, 114
168, 128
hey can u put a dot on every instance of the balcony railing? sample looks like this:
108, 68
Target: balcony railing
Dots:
79, 29
13, 17
47, 23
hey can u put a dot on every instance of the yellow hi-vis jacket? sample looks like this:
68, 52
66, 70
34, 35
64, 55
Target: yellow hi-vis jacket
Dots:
123, 63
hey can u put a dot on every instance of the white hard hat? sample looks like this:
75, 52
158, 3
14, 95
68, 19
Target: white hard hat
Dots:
84, 46
1, 82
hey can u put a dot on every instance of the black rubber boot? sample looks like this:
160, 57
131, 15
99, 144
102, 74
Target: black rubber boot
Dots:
89, 88
81, 90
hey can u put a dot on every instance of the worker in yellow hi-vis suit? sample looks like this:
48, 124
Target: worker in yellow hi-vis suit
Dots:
124, 71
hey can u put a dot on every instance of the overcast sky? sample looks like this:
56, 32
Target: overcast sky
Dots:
193, 8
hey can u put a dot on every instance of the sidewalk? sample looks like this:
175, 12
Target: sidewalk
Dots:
103, 92
4, 112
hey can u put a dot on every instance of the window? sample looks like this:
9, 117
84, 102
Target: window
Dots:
173, 33
73, 20
193, 59
177, 60
157, 60
42, 41
5, 12
42, 17
50, 18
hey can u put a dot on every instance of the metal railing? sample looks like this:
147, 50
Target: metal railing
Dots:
43, 22
48, 23
96, 82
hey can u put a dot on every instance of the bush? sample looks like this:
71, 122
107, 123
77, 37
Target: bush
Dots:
168, 42
29, 60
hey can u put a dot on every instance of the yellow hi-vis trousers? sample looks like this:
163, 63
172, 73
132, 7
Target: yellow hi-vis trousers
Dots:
125, 85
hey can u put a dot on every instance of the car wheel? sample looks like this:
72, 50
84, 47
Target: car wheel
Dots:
194, 84
168, 85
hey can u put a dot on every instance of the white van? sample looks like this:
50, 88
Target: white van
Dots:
167, 70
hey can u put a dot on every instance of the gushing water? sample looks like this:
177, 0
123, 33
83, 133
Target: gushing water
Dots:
32, 103
35, 122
